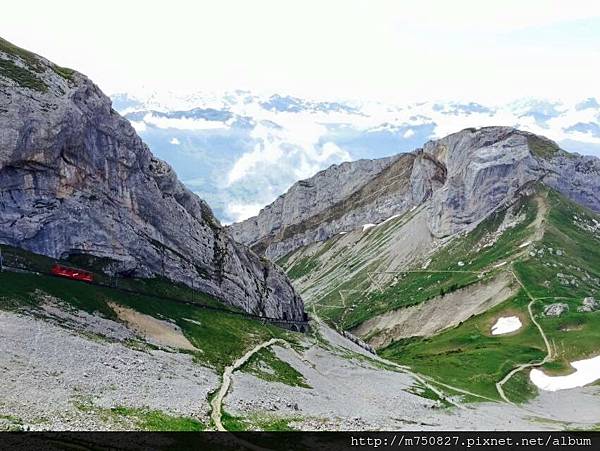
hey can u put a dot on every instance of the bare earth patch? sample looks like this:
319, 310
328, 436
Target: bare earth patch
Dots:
431, 317
161, 332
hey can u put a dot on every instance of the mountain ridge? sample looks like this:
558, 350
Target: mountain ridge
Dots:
77, 179
466, 175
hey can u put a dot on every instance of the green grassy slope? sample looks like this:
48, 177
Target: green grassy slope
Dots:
565, 267
467, 356
544, 241
465, 261
220, 337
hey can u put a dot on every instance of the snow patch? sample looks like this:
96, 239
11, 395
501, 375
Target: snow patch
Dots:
586, 372
368, 226
525, 244
391, 218
506, 325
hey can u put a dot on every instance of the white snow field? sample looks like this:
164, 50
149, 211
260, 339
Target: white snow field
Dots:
506, 325
586, 372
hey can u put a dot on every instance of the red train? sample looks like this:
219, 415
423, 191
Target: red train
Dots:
72, 273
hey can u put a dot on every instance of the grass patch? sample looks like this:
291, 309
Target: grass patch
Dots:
265, 365
34, 62
23, 77
233, 423
425, 392
156, 420
10, 423
543, 147
468, 357
220, 337
302, 267
258, 422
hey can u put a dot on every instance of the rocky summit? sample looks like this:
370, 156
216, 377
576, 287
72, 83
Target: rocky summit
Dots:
75, 178
460, 179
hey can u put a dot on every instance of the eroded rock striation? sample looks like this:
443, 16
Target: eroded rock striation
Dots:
75, 178
460, 179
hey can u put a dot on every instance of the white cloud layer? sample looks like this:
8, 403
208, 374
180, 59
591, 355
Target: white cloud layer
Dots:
243, 211
184, 123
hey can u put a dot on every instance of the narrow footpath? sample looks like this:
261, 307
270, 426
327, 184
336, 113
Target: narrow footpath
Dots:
217, 402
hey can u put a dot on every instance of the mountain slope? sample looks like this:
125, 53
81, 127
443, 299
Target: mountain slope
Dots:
431, 303
76, 179
558, 265
464, 177
509, 230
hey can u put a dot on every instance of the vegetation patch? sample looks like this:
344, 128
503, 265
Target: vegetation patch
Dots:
426, 392
10, 423
265, 365
469, 358
543, 147
23, 77
156, 420
257, 422
219, 336
302, 267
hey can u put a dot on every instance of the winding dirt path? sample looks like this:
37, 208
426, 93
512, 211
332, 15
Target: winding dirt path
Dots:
217, 402
540, 227
547, 358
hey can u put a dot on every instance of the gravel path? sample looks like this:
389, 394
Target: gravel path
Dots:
547, 358
217, 401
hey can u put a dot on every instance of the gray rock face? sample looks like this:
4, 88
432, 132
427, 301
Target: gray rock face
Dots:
461, 179
589, 305
76, 178
556, 309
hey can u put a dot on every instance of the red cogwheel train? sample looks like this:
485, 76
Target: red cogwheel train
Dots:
72, 273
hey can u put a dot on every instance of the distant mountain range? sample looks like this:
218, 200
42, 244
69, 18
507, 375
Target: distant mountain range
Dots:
239, 150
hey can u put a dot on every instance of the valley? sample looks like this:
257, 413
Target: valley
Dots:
504, 267
453, 287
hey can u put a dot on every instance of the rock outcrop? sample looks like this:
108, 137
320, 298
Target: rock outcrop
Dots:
75, 178
461, 179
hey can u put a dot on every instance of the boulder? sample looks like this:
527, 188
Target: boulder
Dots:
556, 309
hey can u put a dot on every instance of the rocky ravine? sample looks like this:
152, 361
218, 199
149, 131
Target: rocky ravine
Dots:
464, 176
76, 178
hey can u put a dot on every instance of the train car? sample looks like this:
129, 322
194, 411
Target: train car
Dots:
72, 273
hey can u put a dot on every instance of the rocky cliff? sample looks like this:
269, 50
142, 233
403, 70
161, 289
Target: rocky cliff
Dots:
463, 177
75, 178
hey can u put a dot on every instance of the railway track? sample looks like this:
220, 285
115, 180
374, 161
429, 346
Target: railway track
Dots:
298, 326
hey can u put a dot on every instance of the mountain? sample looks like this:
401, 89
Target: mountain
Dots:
240, 150
460, 179
425, 254
487, 232
75, 178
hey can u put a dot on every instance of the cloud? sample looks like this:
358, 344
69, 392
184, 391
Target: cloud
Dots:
292, 148
408, 133
239, 211
262, 153
174, 141
184, 123
139, 126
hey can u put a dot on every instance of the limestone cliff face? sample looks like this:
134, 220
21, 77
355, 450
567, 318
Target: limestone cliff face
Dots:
76, 178
461, 179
